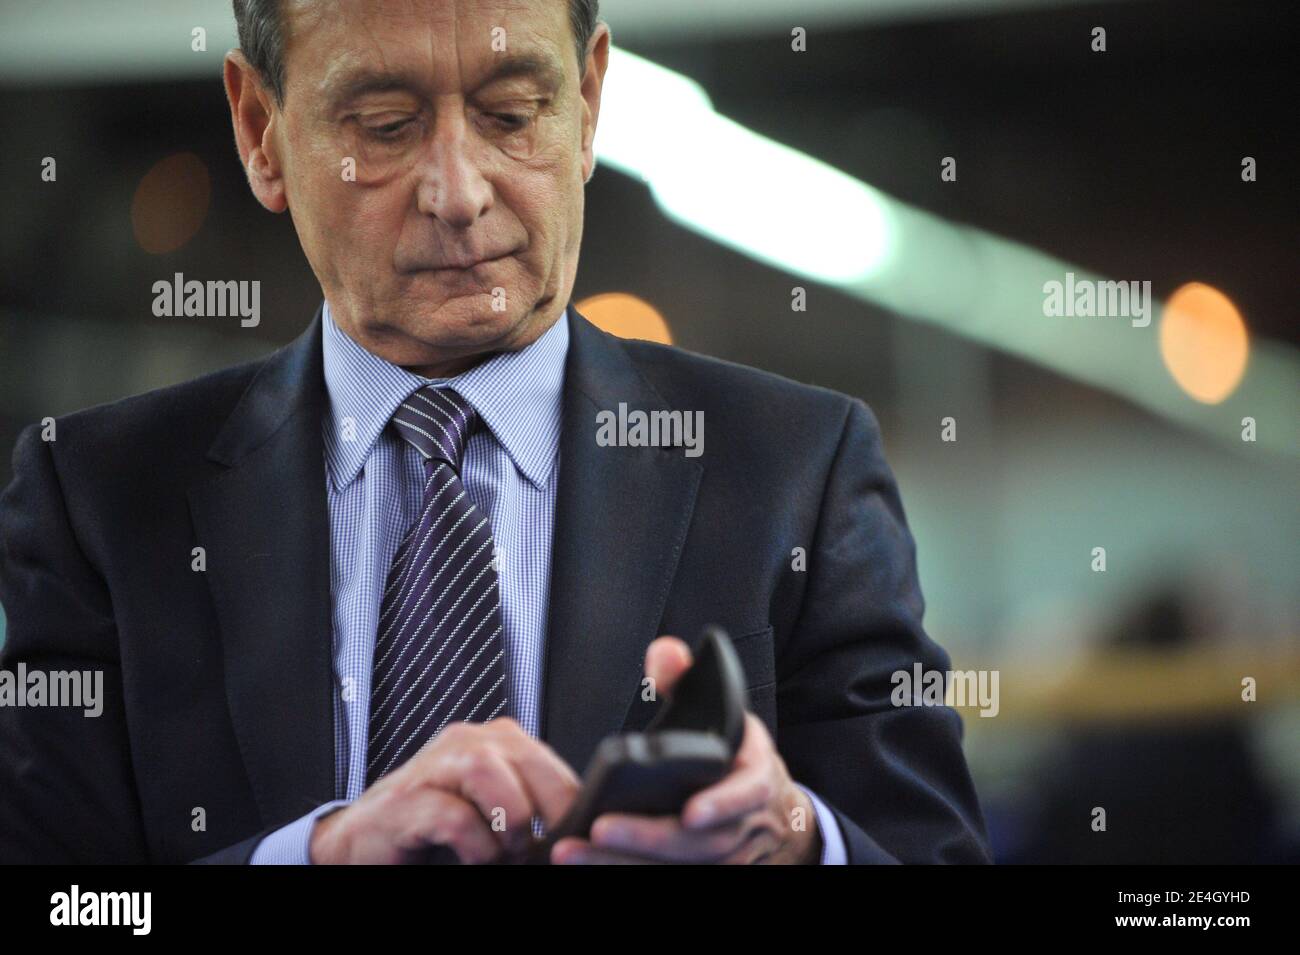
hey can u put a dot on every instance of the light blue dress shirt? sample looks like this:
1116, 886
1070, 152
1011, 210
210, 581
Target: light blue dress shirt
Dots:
374, 482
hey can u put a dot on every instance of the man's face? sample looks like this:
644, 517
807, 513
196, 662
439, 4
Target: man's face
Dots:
432, 154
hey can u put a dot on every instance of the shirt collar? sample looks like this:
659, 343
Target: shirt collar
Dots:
518, 395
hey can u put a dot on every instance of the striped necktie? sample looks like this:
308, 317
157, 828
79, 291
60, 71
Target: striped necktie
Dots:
439, 649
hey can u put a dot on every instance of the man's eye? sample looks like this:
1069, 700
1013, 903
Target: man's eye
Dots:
511, 121
389, 131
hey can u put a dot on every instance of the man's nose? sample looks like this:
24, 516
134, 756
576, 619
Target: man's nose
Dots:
452, 185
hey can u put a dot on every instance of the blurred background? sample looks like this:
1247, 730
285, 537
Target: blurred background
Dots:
736, 170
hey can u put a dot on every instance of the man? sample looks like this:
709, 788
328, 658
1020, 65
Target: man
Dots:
385, 591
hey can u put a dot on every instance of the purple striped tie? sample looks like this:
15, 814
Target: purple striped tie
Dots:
439, 652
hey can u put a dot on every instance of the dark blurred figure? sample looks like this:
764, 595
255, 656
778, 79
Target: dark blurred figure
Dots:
1182, 789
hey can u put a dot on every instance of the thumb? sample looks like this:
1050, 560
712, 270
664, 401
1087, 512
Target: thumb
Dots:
666, 659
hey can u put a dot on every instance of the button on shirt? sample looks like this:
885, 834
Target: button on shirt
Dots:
374, 482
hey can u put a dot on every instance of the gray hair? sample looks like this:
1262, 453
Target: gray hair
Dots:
261, 37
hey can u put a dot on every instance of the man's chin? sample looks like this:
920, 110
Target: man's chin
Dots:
466, 321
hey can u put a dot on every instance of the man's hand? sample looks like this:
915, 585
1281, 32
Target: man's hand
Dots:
755, 815
475, 788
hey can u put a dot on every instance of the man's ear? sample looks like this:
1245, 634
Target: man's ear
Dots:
254, 116
593, 80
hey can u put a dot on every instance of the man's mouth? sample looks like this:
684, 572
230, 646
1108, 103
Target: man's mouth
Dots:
467, 263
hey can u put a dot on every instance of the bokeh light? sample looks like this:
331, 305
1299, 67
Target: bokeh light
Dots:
1203, 342
626, 316
171, 203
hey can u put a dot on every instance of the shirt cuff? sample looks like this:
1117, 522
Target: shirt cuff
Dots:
833, 850
291, 844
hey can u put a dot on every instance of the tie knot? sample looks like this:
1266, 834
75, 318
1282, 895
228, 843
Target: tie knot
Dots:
437, 422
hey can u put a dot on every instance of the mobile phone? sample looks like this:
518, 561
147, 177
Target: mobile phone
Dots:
690, 744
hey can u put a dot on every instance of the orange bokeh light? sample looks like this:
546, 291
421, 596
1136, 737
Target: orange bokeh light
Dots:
626, 316
1203, 342
170, 203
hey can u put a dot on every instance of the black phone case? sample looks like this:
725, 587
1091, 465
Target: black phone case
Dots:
689, 745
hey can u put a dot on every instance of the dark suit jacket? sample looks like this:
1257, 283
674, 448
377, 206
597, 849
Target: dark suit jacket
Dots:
218, 683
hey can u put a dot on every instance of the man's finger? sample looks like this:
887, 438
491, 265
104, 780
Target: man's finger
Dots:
573, 851
492, 784
666, 659
550, 781
664, 837
440, 818
747, 788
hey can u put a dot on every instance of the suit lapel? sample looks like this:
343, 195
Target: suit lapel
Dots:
264, 523
621, 519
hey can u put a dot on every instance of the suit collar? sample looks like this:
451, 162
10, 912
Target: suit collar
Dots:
263, 522
288, 383
622, 515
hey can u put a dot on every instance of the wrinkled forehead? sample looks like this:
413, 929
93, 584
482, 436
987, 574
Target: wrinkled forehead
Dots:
343, 48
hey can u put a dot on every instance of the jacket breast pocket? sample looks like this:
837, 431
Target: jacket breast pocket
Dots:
756, 657
758, 660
